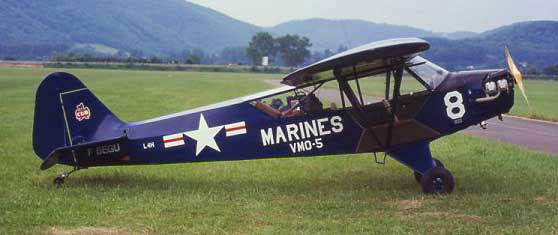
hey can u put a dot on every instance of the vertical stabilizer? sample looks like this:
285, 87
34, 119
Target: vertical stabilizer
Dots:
67, 114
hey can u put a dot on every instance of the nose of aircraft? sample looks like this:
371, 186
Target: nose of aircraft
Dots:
494, 84
486, 92
496, 94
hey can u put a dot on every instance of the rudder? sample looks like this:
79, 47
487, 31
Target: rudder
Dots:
67, 113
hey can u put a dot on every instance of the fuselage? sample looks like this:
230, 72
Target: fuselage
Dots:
240, 131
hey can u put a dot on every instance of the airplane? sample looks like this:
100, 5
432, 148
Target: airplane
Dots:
72, 127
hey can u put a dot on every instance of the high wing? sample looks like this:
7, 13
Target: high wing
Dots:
366, 60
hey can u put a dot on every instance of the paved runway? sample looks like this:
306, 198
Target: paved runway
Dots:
536, 135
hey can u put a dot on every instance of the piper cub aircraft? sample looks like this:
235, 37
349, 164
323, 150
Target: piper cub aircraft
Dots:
72, 127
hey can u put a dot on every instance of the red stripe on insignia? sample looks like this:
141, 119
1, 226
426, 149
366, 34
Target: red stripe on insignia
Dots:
174, 140
236, 128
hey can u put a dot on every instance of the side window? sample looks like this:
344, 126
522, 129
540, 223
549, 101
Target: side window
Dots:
331, 96
297, 103
430, 73
373, 88
411, 85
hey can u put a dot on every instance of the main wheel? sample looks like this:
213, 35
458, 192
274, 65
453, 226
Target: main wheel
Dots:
437, 180
418, 176
438, 163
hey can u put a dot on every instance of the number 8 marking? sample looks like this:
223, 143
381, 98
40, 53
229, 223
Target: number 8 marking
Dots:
454, 102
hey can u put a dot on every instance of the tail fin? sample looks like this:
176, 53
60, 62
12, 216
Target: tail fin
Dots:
67, 114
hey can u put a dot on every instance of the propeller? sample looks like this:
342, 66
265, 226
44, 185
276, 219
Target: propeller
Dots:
517, 75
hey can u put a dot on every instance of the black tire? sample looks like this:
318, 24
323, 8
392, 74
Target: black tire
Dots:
437, 180
58, 181
418, 176
438, 163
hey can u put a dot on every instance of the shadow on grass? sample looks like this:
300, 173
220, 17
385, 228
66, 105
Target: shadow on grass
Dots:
287, 184
387, 182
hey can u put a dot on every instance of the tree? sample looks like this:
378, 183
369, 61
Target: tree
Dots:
155, 60
262, 44
122, 54
234, 55
531, 70
136, 53
316, 56
342, 48
328, 53
551, 70
293, 49
198, 57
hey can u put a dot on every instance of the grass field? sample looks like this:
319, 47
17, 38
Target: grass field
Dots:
500, 189
543, 96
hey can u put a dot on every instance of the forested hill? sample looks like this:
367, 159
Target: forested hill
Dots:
155, 27
330, 34
533, 44
37, 29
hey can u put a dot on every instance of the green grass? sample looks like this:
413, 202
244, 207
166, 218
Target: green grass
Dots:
543, 96
500, 188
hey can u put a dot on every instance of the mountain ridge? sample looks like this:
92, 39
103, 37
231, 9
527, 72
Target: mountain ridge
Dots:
156, 27
341, 24
532, 42
37, 29
330, 34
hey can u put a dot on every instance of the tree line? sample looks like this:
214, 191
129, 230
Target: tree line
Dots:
29, 51
289, 50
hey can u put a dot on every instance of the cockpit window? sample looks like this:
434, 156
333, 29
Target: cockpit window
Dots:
430, 73
300, 102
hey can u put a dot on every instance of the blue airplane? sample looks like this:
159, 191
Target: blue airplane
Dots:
72, 127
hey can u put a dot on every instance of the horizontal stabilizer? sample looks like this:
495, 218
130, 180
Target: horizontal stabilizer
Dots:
86, 154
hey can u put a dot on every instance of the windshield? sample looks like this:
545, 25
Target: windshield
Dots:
427, 71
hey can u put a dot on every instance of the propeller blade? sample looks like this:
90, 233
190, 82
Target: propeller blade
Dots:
516, 74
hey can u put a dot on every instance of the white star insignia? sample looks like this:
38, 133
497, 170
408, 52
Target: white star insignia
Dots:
205, 136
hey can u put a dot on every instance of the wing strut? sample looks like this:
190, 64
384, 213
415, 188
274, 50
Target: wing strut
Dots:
346, 88
358, 86
388, 83
342, 97
398, 77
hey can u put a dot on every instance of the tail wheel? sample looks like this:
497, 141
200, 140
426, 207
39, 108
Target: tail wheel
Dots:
437, 163
58, 181
437, 180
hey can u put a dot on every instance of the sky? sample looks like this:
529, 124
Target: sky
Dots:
434, 15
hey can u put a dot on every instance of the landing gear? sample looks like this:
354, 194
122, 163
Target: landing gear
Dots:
437, 180
418, 176
437, 163
433, 177
60, 179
